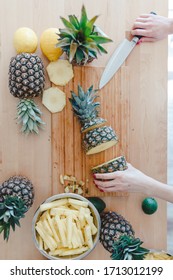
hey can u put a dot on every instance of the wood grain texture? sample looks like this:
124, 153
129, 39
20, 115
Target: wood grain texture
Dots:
140, 84
68, 156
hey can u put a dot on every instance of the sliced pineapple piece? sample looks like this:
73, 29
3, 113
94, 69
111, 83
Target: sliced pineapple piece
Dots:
54, 99
60, 72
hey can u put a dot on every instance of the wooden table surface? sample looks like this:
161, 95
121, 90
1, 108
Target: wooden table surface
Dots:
141, 82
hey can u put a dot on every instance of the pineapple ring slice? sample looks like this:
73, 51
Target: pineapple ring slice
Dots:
60, 72
54, 99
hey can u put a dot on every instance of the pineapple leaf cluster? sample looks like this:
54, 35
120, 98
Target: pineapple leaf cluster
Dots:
128, 248
80, 39
12, 209
28, 114
83, 104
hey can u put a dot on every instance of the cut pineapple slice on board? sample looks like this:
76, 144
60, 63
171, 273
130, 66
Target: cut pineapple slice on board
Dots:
60, 72
54, 99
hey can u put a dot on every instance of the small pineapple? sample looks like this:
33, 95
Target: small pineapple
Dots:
26, 81
16, 197
113, 226
81, 40
98, 137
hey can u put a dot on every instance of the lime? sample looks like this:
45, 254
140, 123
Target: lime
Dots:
149, 205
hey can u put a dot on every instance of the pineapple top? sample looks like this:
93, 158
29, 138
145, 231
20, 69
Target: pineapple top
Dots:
83, 104
81, 39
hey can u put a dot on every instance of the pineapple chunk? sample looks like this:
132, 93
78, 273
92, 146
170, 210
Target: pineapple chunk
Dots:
54, 99
60, 72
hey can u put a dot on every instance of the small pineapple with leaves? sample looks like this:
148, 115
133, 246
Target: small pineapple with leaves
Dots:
16, 197
81, 40
98, 137
26, 81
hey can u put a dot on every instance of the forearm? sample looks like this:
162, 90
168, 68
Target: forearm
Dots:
160, 190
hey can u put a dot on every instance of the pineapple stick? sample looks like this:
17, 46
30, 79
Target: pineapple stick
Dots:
50, 242
51, 224
88, 236
61, 230
56, 203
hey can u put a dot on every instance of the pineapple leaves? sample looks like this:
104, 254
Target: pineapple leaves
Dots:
81, 39
12, 209
128, 248
74, 21
73, 49
67, 24
100, 39
84, 17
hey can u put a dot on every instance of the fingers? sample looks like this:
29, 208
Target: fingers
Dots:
106, 176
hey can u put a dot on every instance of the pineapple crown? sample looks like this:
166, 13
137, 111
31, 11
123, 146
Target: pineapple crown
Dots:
83, 104
28, 114
12, 209
81, 39
128, 248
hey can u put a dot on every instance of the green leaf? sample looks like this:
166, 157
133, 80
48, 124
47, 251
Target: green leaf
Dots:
73, 49
84, 17
73, 19
67, 23
89, 26
62, 43
100, 39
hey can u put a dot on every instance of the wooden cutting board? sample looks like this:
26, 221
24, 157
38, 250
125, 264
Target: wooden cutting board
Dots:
68, 155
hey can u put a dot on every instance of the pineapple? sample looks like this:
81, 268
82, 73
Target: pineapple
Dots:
16, 197
81, 40
26, 81
98, 137
113, 165
113, 226
85, 109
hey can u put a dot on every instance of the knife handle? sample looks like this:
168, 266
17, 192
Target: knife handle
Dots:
138, 36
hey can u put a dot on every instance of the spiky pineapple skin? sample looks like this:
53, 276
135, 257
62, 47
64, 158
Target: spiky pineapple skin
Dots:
113, 225
26, 75
111, 166
18, 186
94, 138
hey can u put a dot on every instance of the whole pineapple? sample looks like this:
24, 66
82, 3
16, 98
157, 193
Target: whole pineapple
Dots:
113, 225
81, 40
26, 81
16, 197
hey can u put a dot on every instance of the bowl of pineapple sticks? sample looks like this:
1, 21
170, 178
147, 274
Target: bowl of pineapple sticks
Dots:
66, 226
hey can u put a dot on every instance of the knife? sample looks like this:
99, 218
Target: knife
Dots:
117, 59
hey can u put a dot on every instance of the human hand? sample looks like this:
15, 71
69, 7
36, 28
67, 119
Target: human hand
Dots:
129, 180
152, 27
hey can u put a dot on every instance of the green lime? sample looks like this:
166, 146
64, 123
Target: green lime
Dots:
149, 205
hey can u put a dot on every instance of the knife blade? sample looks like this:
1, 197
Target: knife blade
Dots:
117, 58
